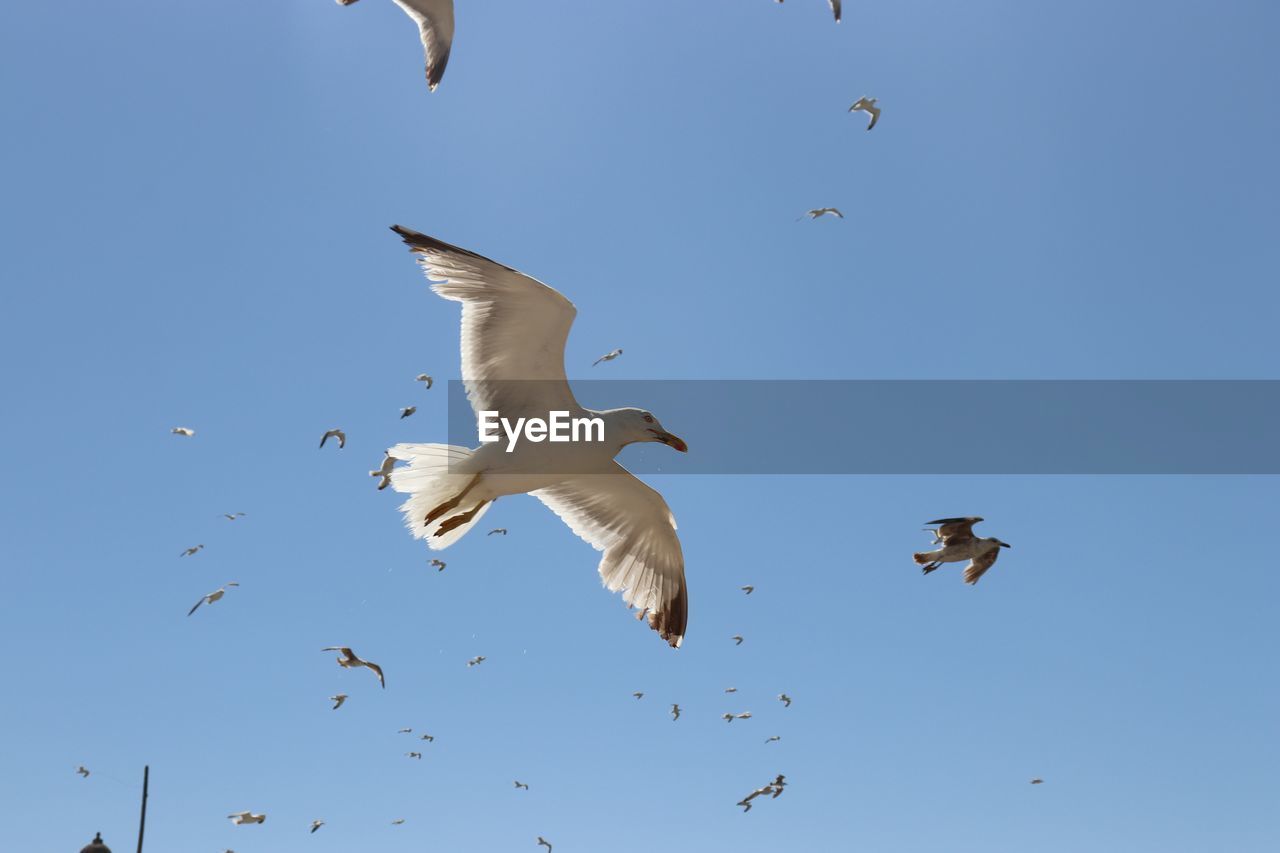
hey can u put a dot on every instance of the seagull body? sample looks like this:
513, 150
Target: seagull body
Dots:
542, 842
187, 432
784, 699
338, 700
675, 713
397, 821
1037, 781
822, 211
240, 818
737, 639
407, 411
774, 739
639, 694
417, 755
476, 661
404, 731
774, 789
348, 659
439, 564
435, 25
748, 589
958, 544
731, 690
216, 595
191, 551
316, 824
427, 738
425, 379
520, 784
83, 771
868, 106
232, 516
514, 328
334, 433
388, 463
609, 356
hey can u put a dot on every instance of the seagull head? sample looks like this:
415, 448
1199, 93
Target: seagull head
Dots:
633, 425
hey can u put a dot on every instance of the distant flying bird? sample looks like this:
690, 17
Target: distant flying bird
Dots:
424, 378
398, 820
183, 431
822, 211
439, 564
520, 784
1037, 781
544, 843
748, 589
82, 771
639, 694
417, 755
406, 411
404, 731
349, 659
435, 26
959, 543
773, 789
868, 106
338, 700
774, 739
731, 690
609, 356
476, 661
501, 531
745, 715
514, 328
784, 699
388, 464
240, 818
316, 824
191, 551
232, 516
427, 738
675, 713
335, 433
835, 8
216, 595
737, 639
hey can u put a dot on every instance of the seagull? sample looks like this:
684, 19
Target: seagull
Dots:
183, 431
784, 699
335, 433
417, 755
609, 356
774, 739
737, 639
424, 378
822, 211
774, 788
959, 543
397, 821
748, 589
731, 690
316, 824
476, 661
232, 516
520, 784
216, 595
745, 715
675, 713
439, 564
191, 551
83, 771
349, 660
868, 106
240, 818
499, 530
544, 843
427, 738
435, 23
388, 463
338, 700
404, 731
1037, 781
514, 328
639, 694
406, 411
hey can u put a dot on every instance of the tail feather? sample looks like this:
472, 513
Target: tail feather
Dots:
430, 479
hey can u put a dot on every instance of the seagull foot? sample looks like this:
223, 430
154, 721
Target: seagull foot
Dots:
459, 520
452, 503
929, 568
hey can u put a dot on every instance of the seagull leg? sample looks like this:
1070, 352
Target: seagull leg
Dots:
930, 567
452, 503
459, 520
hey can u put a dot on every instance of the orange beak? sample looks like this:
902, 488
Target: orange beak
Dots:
672, 441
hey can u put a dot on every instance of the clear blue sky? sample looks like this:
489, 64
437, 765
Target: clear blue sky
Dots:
194, 212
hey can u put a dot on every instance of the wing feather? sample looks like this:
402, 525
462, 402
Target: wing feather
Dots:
435, 23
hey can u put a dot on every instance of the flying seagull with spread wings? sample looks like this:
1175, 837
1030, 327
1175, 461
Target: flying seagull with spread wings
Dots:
822, 211
82, 771
958, 544
241, 818
185, 432
868, 106
388, 462
216, 595
425, 379
435, 24
334, 433
348, 659
513, 338
609, 356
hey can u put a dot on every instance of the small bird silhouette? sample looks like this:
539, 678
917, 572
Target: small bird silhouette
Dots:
675, 713
427, 738
439, 564
335, 433
784, 699
348, 659
191, 551
520, 784
609, 356
388, 465
639, 694
232, 516
748, 589
1037, 781
544, 843
868, 106
210, 598
774, 739
731, 690
338, 700
501, 531
404, 731
82, 771
406, 411
183, 431
316, 824
397, 821
425, 379
476, 661
240, 818
417, 755
822, 211
737, 639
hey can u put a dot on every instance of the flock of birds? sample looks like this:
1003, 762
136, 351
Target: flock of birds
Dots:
514, 328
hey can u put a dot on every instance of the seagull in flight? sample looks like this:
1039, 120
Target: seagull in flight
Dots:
439, 564
609, 356
348, 659
514, 328
476, 661
520, 784
737, 639
1037, 781
774, 739
187, 432
83, 771
407, 411
192, 551
316, 824
216, 595
958, 543
785, 700
417, 755
240, 818
404, 731
338, 700
501, 531
542, 842
868, 106
822, 211
675, 713
425, 379
335, 433
774, 789
639, 694
427, 738
388, 462
397, 821
748, 589
731, 690
232, 516
435, 25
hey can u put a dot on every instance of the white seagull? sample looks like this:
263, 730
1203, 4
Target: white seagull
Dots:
348, 659
435, 24
959, 543
439, 564
609, 356
334, 433
232, 516
514, 330
476, 661
822, 211
388, 462
240, 818
216, 595
868, 106
188, 432
425, 379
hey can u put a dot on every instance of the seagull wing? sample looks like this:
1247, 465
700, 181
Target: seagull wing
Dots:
978, 565
955, 531
513, 329
202, 600
835, 9
629, 521
435, 20
378, 670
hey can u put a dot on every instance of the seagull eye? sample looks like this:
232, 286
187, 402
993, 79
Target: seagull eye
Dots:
648, 419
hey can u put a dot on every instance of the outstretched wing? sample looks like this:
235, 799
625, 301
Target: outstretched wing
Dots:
435, 21
835, 9
631, 523
202, 600
955, 531
378, 670
513, 329
978, 565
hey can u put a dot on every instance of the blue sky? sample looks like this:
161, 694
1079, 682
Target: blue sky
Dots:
195, 212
